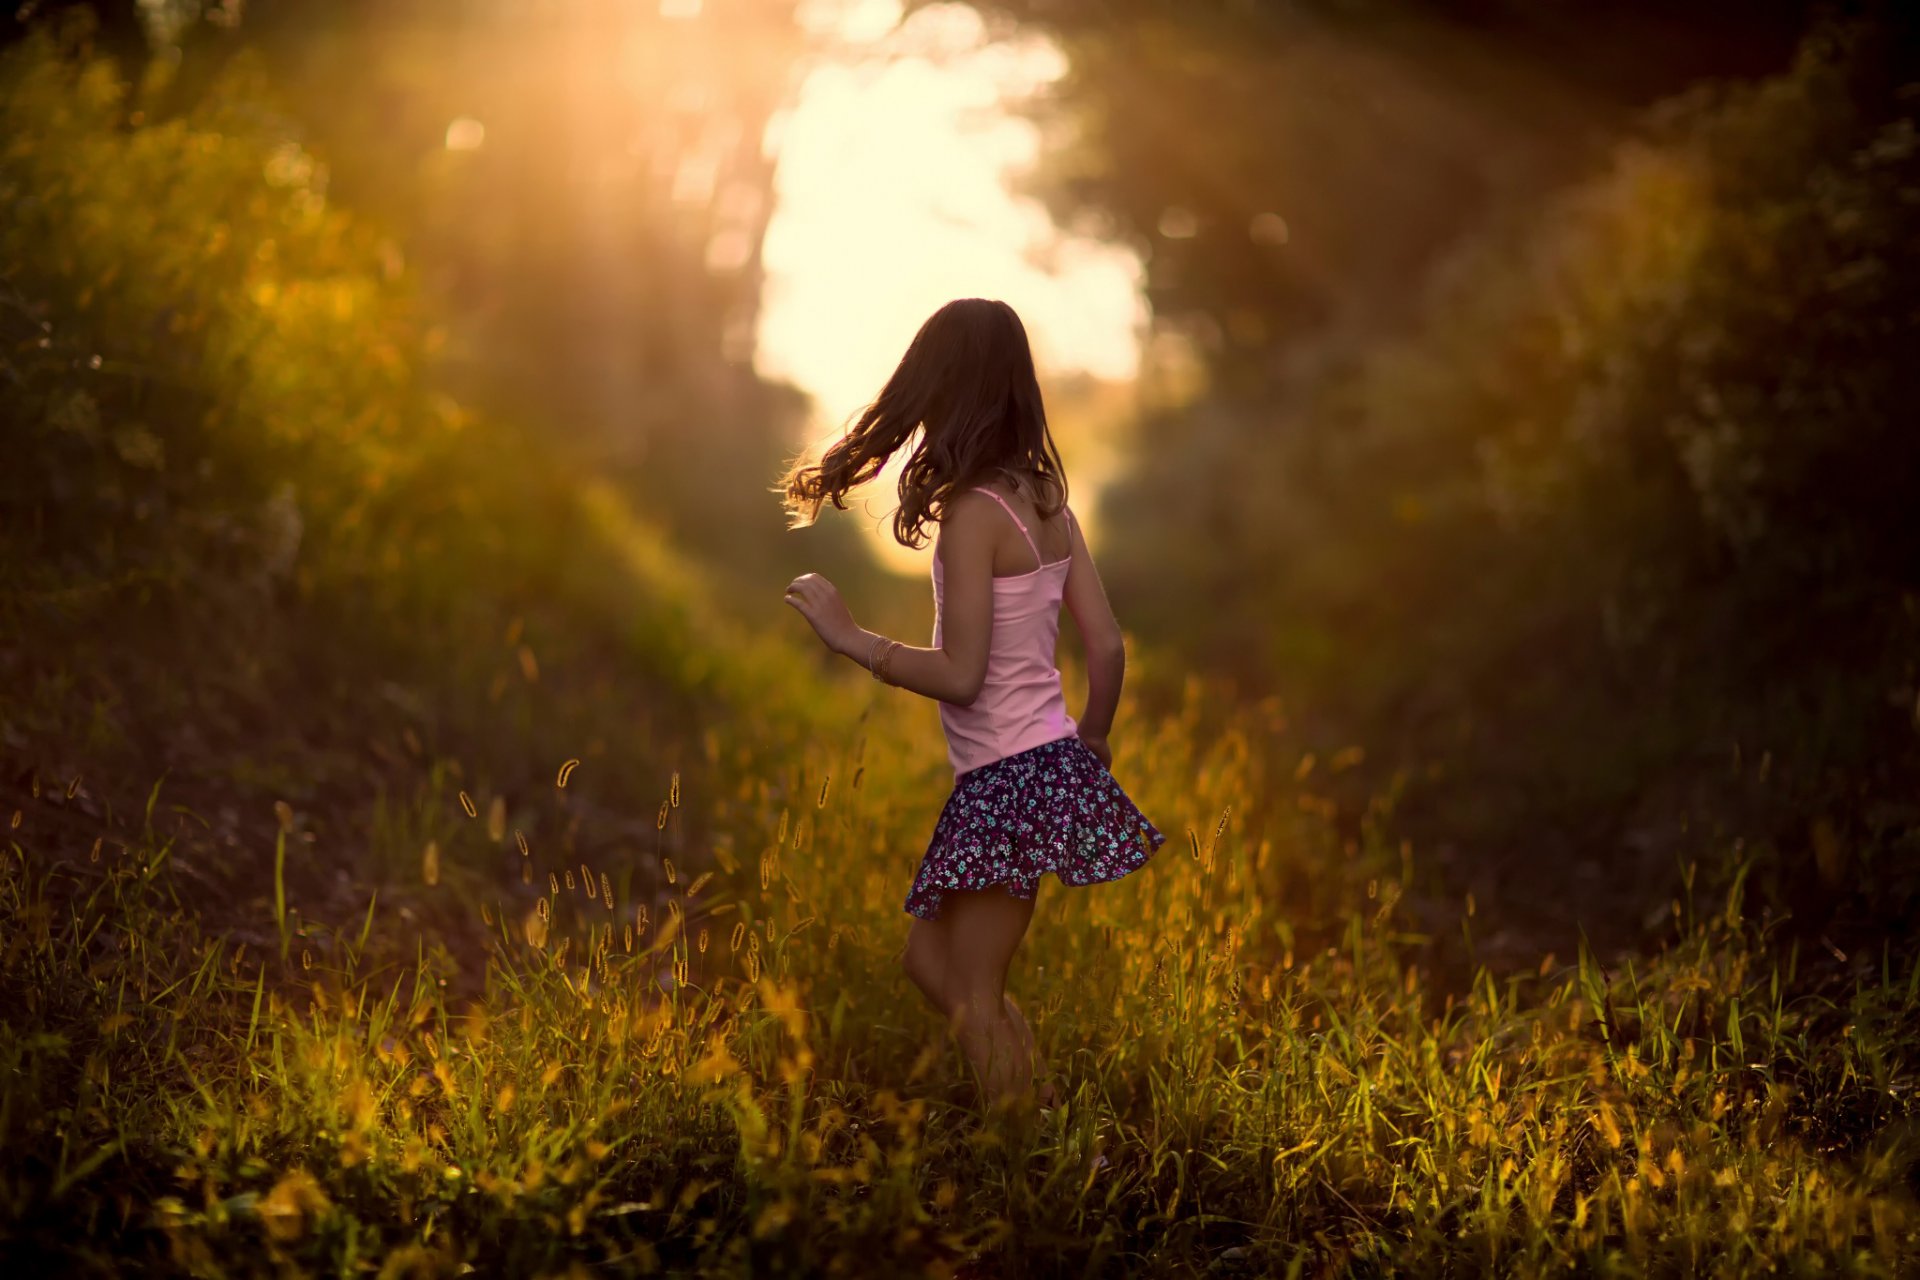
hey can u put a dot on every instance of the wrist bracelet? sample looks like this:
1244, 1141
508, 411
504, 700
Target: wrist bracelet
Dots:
882, 672
872, 646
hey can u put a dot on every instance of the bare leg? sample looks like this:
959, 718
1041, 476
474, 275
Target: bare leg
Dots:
985, 927
1044, 1090
927, 961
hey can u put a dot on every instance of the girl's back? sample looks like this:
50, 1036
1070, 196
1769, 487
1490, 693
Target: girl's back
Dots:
1020, 703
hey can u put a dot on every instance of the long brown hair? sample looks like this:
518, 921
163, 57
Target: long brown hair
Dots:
967, 386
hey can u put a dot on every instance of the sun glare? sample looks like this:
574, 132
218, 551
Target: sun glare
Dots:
895, 192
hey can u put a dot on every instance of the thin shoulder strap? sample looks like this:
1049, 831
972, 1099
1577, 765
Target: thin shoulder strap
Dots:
1037, 557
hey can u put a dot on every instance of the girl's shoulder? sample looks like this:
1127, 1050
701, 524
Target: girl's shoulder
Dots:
970, 515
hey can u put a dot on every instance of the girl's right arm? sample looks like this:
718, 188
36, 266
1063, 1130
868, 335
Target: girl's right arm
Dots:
1106, 649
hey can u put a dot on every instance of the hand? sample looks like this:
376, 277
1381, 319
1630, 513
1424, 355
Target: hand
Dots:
1098, 742
820, 604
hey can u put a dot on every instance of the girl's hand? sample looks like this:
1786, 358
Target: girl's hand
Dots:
820, 604
1098, 742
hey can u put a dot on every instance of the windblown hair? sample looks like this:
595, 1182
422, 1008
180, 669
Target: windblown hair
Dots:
967, 387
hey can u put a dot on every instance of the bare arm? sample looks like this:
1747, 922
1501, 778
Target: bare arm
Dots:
955, 671
1099, 631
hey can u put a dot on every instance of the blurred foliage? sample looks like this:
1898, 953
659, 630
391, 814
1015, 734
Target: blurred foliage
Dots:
1287, 168
578, 191
1614, 549
247, 536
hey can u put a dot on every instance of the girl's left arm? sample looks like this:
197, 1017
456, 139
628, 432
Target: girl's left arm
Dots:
951, 673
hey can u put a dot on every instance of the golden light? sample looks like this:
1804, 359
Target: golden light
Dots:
894, 192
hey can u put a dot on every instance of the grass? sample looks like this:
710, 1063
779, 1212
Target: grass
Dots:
734, 1078
315, 957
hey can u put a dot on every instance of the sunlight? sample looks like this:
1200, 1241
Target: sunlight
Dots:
895, 192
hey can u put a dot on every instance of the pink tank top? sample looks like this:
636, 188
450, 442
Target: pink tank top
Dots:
1020, 704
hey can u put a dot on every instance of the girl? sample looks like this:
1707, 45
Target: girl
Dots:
1032, 792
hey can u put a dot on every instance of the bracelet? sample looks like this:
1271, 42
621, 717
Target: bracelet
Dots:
871, 647
881, 672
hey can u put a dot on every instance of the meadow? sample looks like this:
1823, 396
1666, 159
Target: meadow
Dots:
733, 1077
426, 871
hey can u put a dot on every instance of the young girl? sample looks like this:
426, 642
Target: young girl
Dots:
1032, 792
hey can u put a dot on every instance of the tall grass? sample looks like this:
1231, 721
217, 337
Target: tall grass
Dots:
735, 1078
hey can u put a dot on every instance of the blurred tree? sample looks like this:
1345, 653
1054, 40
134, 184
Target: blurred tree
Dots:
1288, 168
583, 189
1585, 499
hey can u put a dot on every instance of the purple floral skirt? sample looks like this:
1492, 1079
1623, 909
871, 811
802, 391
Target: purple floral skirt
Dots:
1053, 807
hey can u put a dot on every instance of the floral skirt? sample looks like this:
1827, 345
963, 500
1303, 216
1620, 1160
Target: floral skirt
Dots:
1053, 807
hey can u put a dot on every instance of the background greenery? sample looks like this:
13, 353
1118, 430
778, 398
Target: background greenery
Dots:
1572, 591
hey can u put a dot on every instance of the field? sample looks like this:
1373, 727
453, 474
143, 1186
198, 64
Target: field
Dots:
428, 872
516, 1061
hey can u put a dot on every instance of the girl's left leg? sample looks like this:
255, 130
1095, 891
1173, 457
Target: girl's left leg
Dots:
927, 961
986, 928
